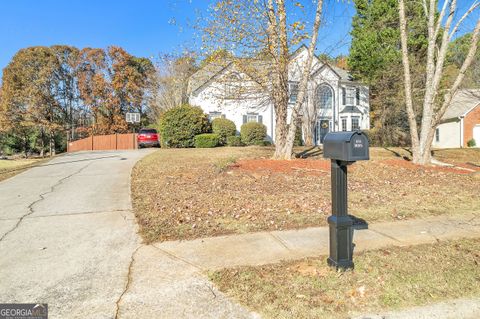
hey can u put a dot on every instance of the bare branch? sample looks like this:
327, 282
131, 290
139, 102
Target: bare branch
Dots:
407, 75
466, 64
440, 18
425, 8
475, 5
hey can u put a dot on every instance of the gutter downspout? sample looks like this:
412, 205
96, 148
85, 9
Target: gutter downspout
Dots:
461, 130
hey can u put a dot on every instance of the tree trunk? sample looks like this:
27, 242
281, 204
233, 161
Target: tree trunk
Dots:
302, 90
25, 144
52, 143
42, 143
308, 133
416, 151
280, 129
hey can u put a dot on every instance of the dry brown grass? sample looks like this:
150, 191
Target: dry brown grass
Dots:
9, 168
191, 193
383, 280
459, 155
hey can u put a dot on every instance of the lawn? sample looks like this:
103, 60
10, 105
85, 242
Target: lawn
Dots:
382, 281
9, 168
469, 156
192, 193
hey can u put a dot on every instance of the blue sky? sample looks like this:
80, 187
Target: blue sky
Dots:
143, 27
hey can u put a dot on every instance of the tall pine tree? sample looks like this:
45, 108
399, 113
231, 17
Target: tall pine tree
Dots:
375, 58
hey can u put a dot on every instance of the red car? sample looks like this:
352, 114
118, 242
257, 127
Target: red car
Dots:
148, 137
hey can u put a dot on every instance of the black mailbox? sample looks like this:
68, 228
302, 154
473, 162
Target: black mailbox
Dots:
346, 146
342, 148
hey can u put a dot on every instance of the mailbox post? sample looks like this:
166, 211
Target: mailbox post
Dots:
343, 149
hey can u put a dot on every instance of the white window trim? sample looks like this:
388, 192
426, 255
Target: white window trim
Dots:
351, 123
215, 115
290, 85
350, 96
252, 117
344, 128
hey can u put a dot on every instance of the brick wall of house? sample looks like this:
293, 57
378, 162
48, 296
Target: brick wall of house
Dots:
471, 119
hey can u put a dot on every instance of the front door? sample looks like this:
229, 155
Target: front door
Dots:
476, 135
321, 129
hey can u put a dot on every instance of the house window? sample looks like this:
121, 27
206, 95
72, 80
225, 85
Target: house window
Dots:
215, 115
357, 96
324, 97
355, 123
293, 92
344, 124
437, 135
350, 96
252, 117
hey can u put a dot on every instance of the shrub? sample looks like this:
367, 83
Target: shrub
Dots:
179, 126
223, 128
207, 140
234, 141
253, 133
471, 143
298, 141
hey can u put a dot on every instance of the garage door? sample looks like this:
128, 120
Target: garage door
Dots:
476, 134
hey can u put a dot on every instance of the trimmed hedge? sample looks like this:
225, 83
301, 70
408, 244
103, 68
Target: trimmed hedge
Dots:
234, 141
179, 126
223, 128
253, 133
207, 140
471, 143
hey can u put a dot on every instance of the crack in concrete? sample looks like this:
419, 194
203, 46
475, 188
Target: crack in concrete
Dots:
279, 240
385, 235
42, 197
127, 285
174, 257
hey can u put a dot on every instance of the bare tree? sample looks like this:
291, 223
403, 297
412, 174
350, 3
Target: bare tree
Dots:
441, 30
264, 34
171, 82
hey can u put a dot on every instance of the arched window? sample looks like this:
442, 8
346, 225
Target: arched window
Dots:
324, 97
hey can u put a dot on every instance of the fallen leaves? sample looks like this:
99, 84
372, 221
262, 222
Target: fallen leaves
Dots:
181, 194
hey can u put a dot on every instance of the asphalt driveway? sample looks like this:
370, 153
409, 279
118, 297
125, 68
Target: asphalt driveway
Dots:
67, 234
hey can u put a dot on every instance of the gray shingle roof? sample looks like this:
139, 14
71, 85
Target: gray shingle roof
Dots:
350, 109
205, 74
344, 75
463, 102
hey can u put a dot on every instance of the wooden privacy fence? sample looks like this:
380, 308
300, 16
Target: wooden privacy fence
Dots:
104, 142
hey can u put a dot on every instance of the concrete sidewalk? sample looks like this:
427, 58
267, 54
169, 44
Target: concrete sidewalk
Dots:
169, 278
269, 247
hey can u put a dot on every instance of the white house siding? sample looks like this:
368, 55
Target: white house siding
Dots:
209, 98
450, 135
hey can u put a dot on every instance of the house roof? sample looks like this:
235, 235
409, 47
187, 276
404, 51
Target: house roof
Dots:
350, 109
208, 72
205, 74
463, 102
343, 74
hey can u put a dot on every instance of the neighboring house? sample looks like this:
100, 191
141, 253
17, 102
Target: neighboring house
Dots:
334, 101
461, 121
